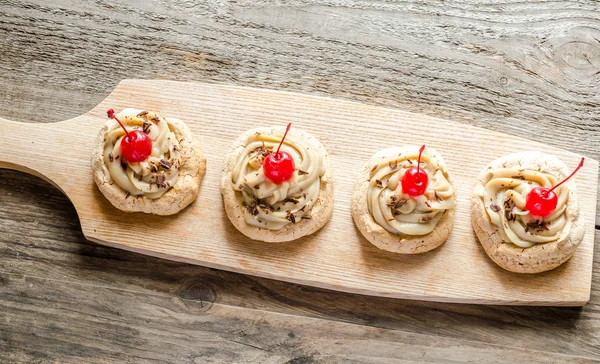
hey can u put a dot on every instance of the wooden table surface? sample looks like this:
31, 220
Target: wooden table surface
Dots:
528, 68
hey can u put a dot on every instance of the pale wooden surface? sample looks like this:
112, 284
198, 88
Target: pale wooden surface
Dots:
527, 68
337, 257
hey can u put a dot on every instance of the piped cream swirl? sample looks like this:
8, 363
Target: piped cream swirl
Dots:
396, 211
272, 206
504, 197
157, 174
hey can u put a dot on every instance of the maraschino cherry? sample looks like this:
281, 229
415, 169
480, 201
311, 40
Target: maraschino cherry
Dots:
414, 182
279, 166
136, 146
542, 201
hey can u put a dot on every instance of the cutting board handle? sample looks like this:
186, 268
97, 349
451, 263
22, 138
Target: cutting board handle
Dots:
30, 148
52, 151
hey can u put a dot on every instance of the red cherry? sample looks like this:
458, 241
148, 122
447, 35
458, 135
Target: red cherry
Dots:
414, 182
279, 166
135, 146
542, 201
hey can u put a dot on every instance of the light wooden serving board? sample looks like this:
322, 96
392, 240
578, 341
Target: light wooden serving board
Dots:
337, 257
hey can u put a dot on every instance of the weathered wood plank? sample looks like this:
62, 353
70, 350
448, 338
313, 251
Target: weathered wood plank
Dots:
525, 68
50, 279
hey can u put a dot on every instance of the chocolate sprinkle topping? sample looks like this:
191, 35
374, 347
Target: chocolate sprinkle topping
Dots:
538, 225
291, 217
396, 202
261, 151
290, 199
266, 207
160, 181
146, 127
437, 196
379, 183
301, 172
110, 157
509, 215
518, 177
252, 210
143, 113
495, 207
374, 167
165, 164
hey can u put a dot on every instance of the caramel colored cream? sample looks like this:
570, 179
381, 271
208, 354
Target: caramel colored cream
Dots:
504, 197
273, 206
157, 174
396, 211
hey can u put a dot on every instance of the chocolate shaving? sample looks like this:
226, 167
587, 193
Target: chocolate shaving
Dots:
426, 218
495, 207
393, 164
127, 194
396, 202
266, 207
379, 183
175, 148
290, 216
518, 177
428, 204
538, 225
261, 151
165, 164
160, 181
143, 113
111, 157
290, 199
302, 208
301, 172
509, 215
256, 187
437, 196
307, 217
252, 210
374, 167
146, 127
156, 119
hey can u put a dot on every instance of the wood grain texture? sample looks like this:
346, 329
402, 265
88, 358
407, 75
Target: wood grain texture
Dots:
66, 299
525, 68
336, 257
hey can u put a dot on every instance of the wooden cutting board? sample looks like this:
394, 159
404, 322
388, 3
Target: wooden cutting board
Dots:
337, 257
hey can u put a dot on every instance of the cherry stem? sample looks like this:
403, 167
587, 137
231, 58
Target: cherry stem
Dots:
571, 175
111, 115
419, 162
282, 139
